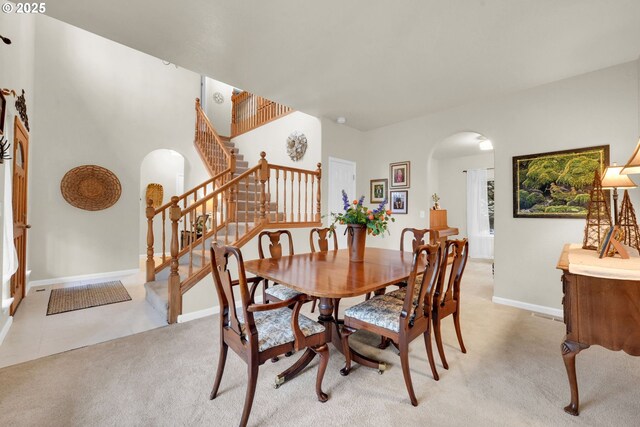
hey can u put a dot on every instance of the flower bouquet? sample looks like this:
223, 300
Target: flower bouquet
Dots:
359, 218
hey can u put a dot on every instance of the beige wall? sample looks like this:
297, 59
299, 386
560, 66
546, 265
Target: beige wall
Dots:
592, 109
99, 103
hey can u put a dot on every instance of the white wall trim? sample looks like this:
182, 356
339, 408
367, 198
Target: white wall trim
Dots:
57, 280
549, 311
5, 329
198, 314
208, 312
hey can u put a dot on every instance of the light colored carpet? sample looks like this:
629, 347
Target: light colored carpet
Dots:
80, 297
512, 375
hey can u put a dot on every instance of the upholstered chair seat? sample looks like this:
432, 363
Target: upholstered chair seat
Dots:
281, 292
274, 327
383, 311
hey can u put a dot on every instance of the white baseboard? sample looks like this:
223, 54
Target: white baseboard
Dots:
5, 329
208, 312
549, 311
57, 280
198, 314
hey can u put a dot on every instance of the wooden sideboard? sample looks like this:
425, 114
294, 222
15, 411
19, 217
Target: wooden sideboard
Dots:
597, 311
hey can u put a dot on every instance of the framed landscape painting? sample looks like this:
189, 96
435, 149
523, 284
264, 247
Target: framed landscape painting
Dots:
379, 190
556, 184
399, 173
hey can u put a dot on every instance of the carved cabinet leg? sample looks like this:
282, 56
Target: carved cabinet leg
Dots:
569, 351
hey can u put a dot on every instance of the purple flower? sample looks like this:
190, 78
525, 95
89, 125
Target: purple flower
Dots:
361, 201
345, 200
380, 207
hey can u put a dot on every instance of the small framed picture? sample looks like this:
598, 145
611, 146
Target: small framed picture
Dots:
399, 174
379, 190
399, 202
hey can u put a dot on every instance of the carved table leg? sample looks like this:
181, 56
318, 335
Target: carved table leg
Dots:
569, 351
334, 336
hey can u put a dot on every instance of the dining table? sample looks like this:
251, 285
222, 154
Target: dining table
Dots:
330, 276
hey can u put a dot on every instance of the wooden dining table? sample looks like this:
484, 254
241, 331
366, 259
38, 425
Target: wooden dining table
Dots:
330, 276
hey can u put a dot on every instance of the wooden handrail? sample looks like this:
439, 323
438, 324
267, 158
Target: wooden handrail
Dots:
250, 111
238, 207
195, 190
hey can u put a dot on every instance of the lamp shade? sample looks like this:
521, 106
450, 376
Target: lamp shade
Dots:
633, 165
612, 178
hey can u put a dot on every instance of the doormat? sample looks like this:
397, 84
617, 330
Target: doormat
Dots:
63, 300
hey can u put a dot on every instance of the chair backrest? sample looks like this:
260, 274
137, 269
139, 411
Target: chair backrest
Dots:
224, 287
275, 246
429, 257
323, 239
418, 237
448, 287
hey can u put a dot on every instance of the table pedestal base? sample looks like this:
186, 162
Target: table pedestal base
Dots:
332, 331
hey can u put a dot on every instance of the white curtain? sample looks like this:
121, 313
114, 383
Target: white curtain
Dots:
480, 238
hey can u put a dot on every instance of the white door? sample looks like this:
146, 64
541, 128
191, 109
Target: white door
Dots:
342, 176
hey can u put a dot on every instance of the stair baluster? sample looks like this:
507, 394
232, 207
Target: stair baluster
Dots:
175, 295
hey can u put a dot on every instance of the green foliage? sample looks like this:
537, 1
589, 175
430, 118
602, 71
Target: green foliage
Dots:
542, 172
579, 172
581, 200
528, 199
565, 209
560, 195
376, 220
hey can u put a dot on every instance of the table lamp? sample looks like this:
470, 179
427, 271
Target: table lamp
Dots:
613, 179
633, 165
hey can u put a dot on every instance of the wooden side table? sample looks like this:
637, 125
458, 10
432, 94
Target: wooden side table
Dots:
597, 311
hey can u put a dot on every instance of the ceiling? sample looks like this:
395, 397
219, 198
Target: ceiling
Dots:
374, 62
460, 144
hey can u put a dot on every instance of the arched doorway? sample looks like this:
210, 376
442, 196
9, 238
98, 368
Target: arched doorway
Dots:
463, 165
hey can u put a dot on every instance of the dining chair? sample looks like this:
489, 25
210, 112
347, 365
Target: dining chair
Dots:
418, 237
323, 246
259, 332
418, 240
400, 320
447, 301
276, 292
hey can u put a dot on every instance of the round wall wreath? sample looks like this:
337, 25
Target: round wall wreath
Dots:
296, 145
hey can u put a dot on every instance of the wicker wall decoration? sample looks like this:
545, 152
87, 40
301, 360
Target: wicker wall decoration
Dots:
155, 192
90, 187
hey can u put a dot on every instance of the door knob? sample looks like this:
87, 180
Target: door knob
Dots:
26, 226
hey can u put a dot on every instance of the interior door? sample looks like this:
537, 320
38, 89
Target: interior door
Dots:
342, 176
20, 225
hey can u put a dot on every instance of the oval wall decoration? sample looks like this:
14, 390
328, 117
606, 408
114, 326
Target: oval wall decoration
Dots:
296, 145
90, 187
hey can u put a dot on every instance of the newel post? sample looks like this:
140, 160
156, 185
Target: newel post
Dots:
264, 176
151, 264
175, 295
319, 196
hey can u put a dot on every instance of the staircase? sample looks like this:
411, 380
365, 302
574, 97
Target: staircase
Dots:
239, 202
